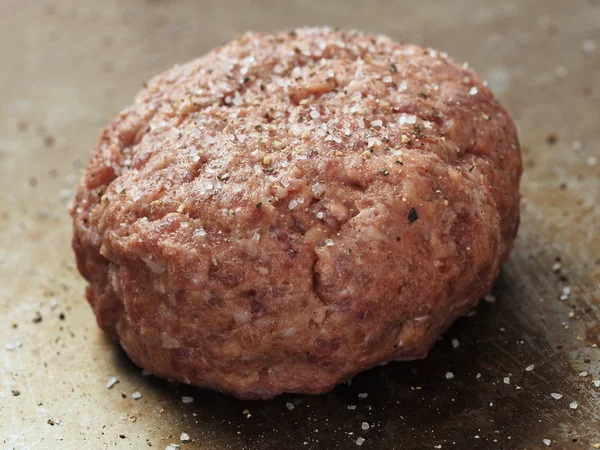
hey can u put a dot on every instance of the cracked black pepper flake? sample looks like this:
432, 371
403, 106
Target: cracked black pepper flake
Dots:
412, 215
259, 205
384, 172
551, 138
37, 318
398, 238
16, 393
50, 422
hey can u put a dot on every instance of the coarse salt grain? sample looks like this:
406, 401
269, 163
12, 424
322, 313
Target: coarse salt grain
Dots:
478, 376
111, 382
455, 343
360, 441
449, 375
365, 426
556, 396
314, 114
172, 447
530, 367
187, 400
363, 395
320, 215
588, 46
376, 123
583, 374
473, 91
489, 298
184, 437
136, 395
506, 380
352, 407
407, 119
289, 406
403, 86
573, 405
200, 232
292, 204
597, 383
548, 442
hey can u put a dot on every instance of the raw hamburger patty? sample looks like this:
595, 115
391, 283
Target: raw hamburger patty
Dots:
291, 209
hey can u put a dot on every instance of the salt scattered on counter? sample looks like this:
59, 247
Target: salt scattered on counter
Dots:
111, 382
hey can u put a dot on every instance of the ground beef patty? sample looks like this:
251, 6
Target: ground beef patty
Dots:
291, 209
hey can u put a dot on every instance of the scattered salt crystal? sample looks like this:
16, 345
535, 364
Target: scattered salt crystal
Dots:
136, 395
289, 406
293, 204
561, 72
13, 345
376, 123
365, 426
320, 215
548, 442
360, 441
597, 383
455, 343
556, 396
473, 91
111, 382
387, 79
489, 298
583, 374
363, 395
200, 232
589, 47
449, 375
2, 395
556, 267
407, 118
478, 376
403, 86
187, 400
506, 380
592, 161
172, 447
573, 405
184, 437
258, 169
530, 367
427, 124
371, 141
256, 237
352, 407
314, 114
329, 242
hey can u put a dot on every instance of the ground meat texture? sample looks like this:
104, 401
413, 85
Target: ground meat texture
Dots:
291, 209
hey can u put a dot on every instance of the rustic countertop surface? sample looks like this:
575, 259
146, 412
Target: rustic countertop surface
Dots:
67, 67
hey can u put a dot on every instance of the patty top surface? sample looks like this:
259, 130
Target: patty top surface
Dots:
313, 178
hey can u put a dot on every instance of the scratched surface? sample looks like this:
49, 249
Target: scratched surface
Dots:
67, 67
